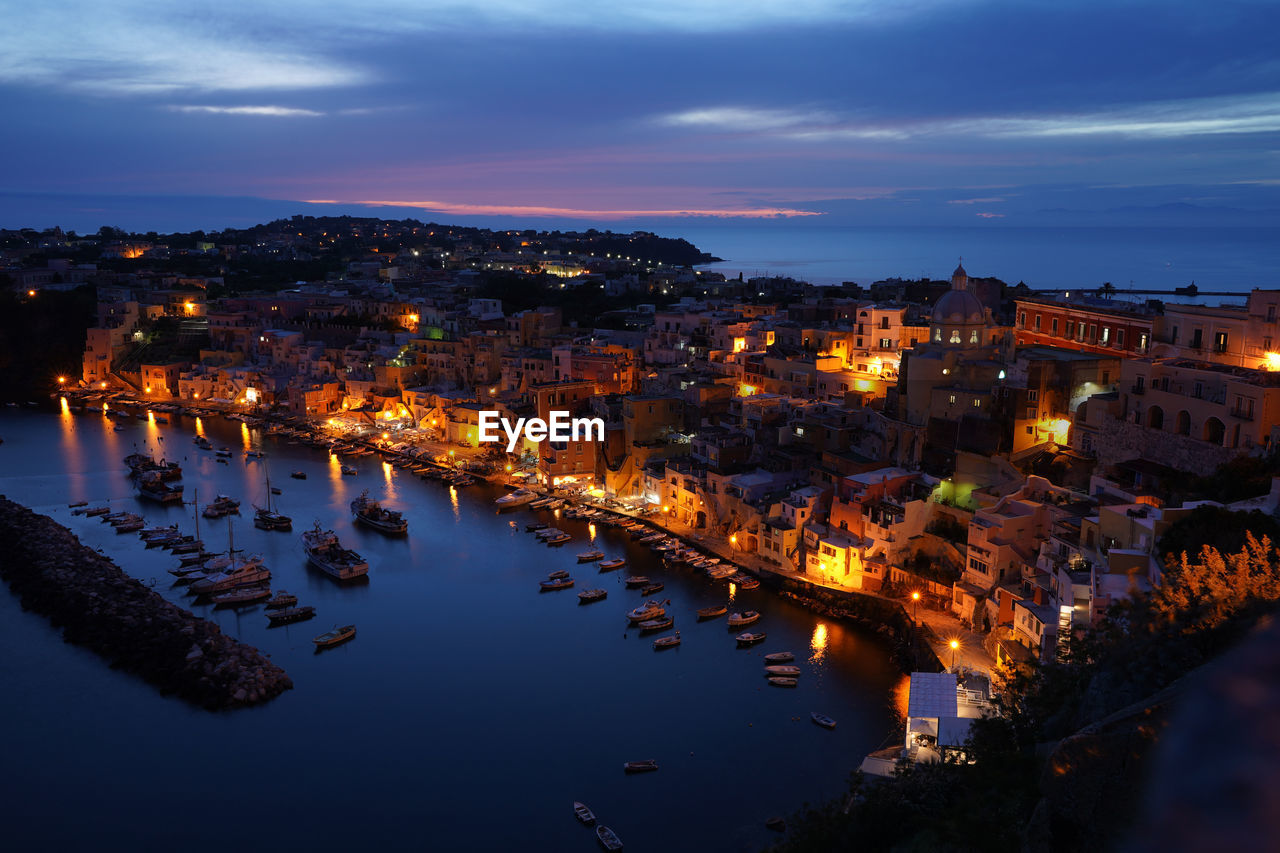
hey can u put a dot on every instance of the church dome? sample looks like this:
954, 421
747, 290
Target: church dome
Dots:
958, 306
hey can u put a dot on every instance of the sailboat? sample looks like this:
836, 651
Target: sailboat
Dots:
231, 572
267, 518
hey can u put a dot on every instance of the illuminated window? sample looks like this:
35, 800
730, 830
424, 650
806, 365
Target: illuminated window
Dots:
955, 336
973, 336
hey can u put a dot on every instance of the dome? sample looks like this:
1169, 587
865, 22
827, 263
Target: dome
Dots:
958, 306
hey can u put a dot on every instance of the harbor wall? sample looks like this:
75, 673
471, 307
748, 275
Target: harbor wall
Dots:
100, 607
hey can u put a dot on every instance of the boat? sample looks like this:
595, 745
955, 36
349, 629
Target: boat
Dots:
153, 487
255, 454
241, 572
96, 511
140, 464
541, 502
282, 599
589, 595
637, 581
535, 526
590, 556
741, 620
299, 475
648, 765
783, 681
712, 612
77, 504
555, 583
608, 838
659, 624
745, 582
720, 572
222, 505
224, 452
371, 513
348, 470
559, 539
546, 533
248, 595
334, 637
291, 614
558, 574
749, 639
779, 657
610, 565
823, 720
667, 642
325, 553
269, 518
275, 490
519, 497
584, 814
783, 670
648, 610
652, 589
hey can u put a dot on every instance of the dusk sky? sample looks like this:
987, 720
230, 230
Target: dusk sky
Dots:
946, 111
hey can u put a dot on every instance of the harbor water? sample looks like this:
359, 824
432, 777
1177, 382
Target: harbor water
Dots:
470, 711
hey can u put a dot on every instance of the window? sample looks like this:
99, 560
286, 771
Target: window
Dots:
1197, 339
884, 322
953, 399
1037, 322
955, 336
937, 335
1142, 342
1071, 328
1032, 412
977, 404
1220, 342
1198, 391
1031, 430
1139, 383
1022, 320
978, 566
1106, 377
1033, 395
1093, 332
1106, 335
973, 336
1173, 335
1053, 326
886, 343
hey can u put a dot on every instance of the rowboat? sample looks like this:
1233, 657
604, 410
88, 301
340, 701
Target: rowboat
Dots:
589, 595
590, 556
291, 614
784, 671
741, 620
637, 580
282, 599
779, 657
584, 814
608, 838
783, 681
667, 642
749, 639
823, 720
610, 565
646, 766
555, 583
241, 596
334, 637
558, 539
558, 574
652, 588
712, 612
661, 623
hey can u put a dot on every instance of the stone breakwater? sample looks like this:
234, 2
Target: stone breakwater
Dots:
100, 607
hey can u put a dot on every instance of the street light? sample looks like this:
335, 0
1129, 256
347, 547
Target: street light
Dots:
955, 645
915, 607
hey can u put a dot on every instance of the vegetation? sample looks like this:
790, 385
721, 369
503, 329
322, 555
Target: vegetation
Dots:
1208, 603
41, 338
1219, 528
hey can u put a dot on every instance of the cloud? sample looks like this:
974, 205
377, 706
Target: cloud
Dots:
578, 213
990, 215
283, 112
993, 200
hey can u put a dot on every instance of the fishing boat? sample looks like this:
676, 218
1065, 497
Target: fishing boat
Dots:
610, 565
659, 624
555, 584
584, 814
590, 556
334, 637
741, 620
153, 487
823, 720
242, 572
282, 599
608, 838
783, 670
325, 553
534, 526
746, 582
348, 470
653, 589
96, 511
559, 539
648, 610
783, 681
712, 612
749, 639
268, 517
291, 614
141, 464
779, 657
558, 574
519, 497
648, 765
299, 475
371, 513
637, 581
667, 642
222, 505
236, 597
541, 502
589, 595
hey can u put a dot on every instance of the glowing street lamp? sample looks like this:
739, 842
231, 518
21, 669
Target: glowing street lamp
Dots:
915, 607
955, 646
62, 380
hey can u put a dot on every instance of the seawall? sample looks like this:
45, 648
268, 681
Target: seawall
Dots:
100, 607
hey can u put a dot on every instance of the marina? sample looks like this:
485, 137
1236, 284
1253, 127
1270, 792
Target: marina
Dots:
455, 595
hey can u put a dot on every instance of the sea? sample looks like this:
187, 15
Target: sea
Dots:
468, 714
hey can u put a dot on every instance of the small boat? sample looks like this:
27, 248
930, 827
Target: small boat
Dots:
557, 583
720, 572
745, 582
741, 620
649, 610
255, 454
282, 599
334, 637
558, 539
749, 639
659, 624
221, 505
637, 581
558, 574
610, 565
241, 596
712, 612
224, 452
783, 681
291, 614
785, 671
648, 765
77, 504
299, 475
589, 595
667, 642
275, 490
584, 814
608, 838
652, 588
97, 511
519, 497
823, 720
779, 657
590, 556
535, 525
370, 512
348, 470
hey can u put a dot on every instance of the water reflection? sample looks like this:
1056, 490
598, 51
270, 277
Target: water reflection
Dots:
733, 591
199, 427
591, 532
244, 435
453, 499
818, 643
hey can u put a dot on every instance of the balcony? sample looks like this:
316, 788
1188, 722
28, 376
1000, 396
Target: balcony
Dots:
1242, 414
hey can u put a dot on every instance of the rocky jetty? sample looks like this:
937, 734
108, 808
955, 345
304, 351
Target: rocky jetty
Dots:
100, 607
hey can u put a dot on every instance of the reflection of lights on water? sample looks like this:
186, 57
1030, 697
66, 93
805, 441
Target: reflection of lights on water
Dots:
66, 408
818, 642
557, 513
386, 471
199, 427
733, 591
453, 499
902, 695
591, 531
244, 434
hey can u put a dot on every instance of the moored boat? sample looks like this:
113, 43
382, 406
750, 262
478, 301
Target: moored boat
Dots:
558, 539
584, 814
291, 614
519, 497
558, 574
712, 612
779, 657
590, 556
282, 599
299, 475
555, 583
235, 597
610, 565
822, 720
334, 637
741, 620
652, 589
637, 581
370, 512
661, 623
783, 681
749, 639
241, 572
608, 838
589, 595
648, 610
645, 766
668, 642
153, 487
325, 553
786, 671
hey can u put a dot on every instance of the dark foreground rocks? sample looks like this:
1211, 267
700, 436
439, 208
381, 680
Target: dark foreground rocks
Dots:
101, 608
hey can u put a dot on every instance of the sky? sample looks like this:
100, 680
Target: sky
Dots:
554, 111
